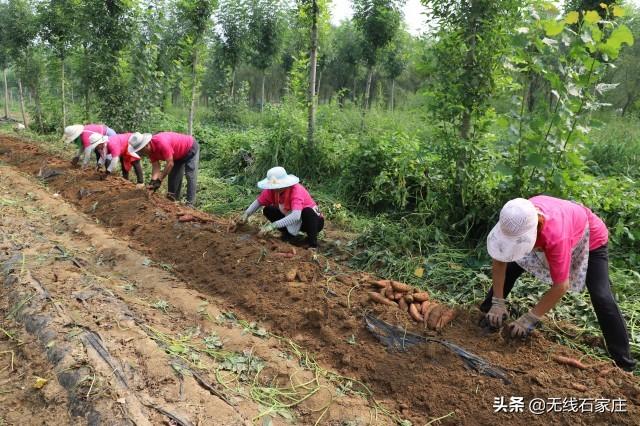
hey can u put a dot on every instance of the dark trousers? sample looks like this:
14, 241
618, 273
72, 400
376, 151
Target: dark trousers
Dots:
137, 168
609, 316
312, 223
189, 166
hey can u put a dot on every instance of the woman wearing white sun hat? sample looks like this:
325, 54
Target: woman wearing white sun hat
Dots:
564, 244
288, 206
181, 154
80, 134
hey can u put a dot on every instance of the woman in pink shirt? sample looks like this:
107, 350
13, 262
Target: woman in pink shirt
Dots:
80, 134
181, 154
117, 151
288, 207
564, 244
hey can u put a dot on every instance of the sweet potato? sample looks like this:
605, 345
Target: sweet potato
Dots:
579, 387
421, 296
445, 318
415, 314
401, 287
565, 360
408, 298
380, 283
383, 292
290, 275
402, 304
286, 255
434, 317
430, 306
424, 306
389, 293
398, 296
186, 218
376, 297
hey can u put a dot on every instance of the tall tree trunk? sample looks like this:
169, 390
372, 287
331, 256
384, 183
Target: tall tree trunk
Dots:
367, 93
6, 94
353, 93
36, 98
64, 105
393, 94
311, 128
24, 116
194, 85
233, 81
262, 99
318, 85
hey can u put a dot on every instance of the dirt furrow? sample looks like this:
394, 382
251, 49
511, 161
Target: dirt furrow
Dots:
323, 310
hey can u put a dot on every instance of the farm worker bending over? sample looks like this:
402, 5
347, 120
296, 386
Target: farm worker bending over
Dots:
118, 151
288, 206
181, 154
81, 134
564, 244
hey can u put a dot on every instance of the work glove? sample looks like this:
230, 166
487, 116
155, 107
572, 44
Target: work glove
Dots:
242, 219
75, 161
523, 326
266, 229
498, 312
154, 185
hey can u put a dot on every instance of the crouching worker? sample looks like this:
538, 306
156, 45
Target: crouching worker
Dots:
288, 206
181, 154
80, 134
117, 151
561, 243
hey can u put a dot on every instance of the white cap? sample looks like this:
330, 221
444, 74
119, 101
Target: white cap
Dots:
72, 132
278, 178
137, 141
515, 234
96, 139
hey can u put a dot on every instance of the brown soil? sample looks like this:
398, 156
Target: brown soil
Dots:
322, 310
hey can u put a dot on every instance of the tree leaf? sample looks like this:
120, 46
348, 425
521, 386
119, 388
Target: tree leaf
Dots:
552, 28
621, 35
572, 17
618, 11
592, 17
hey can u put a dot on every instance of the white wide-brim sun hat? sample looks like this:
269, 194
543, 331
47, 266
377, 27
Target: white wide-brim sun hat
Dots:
72, 132
516, 232
137, 141
278, 178
96, 139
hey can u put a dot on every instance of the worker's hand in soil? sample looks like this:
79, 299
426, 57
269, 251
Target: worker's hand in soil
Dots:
154, 185
75, 161
266, 229
498, 312
242, 219
523, 326
140, 185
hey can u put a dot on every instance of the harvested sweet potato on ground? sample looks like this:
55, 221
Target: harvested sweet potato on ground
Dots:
579, 387
376, 297
401, 287
569, 361
427, 307
380, 283
186, 218
403, 305
415, 312
290, 275
389, 293
446, 317
421, 296
434, 317
398, 296
408, 298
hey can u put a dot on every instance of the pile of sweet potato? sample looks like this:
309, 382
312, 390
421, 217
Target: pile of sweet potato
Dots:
417, 303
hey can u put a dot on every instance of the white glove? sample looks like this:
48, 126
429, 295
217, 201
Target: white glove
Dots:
498, 312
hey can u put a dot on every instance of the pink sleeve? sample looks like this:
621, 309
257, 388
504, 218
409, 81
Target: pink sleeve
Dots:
265, 198
297, 198
559, 258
